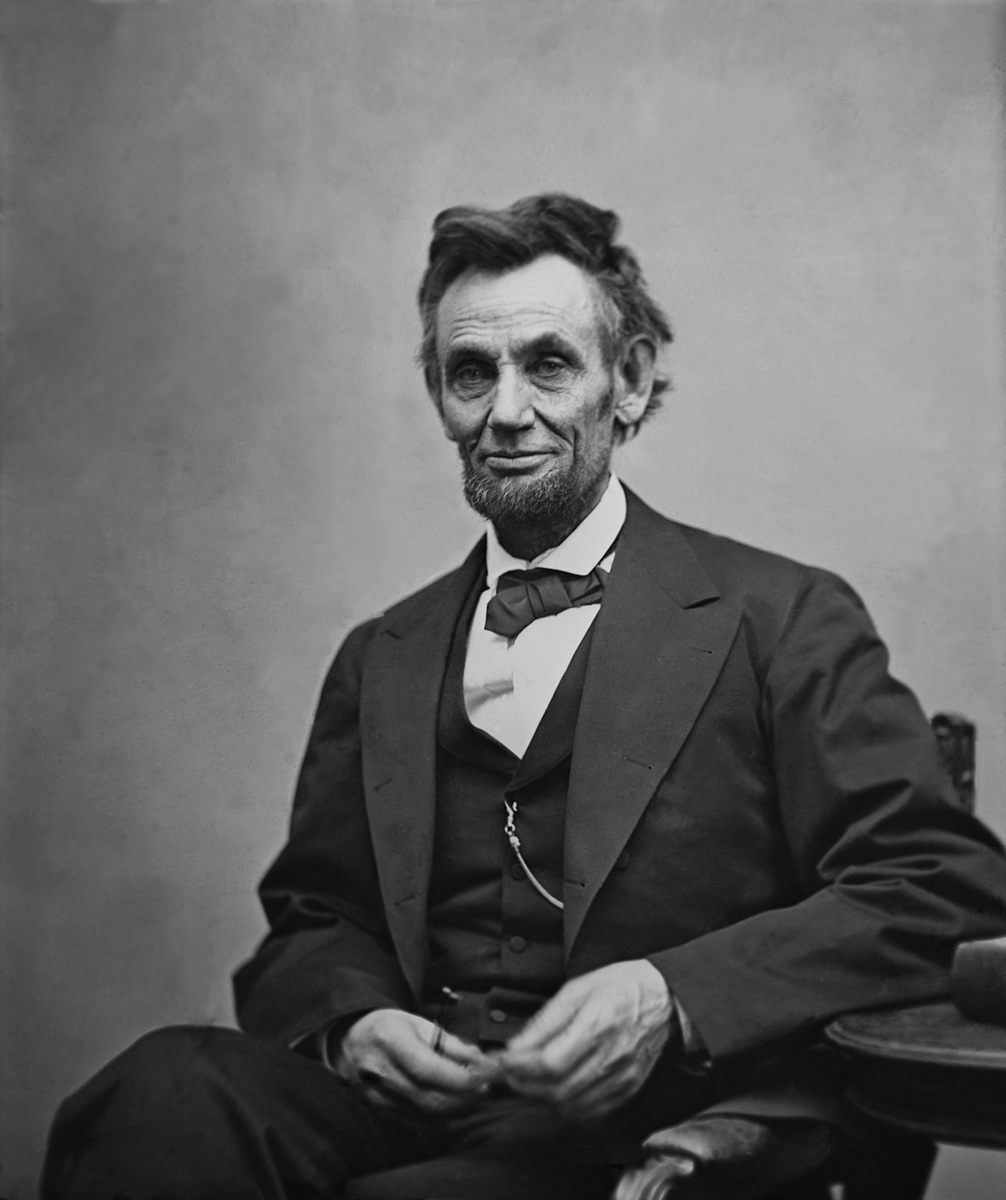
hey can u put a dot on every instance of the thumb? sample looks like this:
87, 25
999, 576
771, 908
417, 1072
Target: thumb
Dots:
463, 1053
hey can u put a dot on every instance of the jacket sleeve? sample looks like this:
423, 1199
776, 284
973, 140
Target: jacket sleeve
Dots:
892, 873
328, 953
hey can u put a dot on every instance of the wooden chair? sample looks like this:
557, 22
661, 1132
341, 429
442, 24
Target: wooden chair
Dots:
939, 1069
955, 740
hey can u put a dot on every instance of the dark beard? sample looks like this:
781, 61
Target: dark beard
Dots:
534, 515
557, 499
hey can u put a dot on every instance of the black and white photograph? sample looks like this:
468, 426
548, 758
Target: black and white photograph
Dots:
503, 599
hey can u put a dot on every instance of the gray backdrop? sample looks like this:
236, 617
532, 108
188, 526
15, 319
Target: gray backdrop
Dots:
218, 454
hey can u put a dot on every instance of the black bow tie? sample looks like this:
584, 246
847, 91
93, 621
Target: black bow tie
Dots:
524, 596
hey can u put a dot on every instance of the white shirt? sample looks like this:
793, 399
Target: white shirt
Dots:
508, 685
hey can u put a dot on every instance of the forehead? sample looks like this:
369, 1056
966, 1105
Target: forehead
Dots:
548, 296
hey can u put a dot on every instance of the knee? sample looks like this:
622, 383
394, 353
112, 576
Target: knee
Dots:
176, 1050
161, 1072
154, 1121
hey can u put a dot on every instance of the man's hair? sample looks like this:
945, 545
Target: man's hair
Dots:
496, 240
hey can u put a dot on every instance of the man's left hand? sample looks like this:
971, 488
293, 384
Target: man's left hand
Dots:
592, 1046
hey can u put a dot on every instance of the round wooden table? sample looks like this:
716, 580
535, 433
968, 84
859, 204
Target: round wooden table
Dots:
929, 1070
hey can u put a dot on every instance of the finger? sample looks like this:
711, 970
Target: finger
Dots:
389, 1053
541, 1082
589, 1077
376, 1093
605, 1093
596, 1039
571, 1046
383, 1085
584, 1102
598, 1087
548, 1021
429, 1071
543, 1070
426, 1069
455, 1050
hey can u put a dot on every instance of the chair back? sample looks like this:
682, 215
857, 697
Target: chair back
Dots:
955, 740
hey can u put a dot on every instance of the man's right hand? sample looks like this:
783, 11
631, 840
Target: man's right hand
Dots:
390, 1054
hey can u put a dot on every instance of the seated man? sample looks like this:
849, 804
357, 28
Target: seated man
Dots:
591, 835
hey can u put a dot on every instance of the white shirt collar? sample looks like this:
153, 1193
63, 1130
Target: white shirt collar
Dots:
580, 553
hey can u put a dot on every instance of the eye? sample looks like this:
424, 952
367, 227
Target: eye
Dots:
472, 376
549, 367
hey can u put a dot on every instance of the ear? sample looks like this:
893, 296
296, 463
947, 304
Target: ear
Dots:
635, 372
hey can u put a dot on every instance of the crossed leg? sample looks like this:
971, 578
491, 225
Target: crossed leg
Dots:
192, 1113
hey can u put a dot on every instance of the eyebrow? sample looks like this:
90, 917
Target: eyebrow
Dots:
464, 350
543, 343
552, 343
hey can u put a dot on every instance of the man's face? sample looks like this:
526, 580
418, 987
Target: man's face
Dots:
525, 391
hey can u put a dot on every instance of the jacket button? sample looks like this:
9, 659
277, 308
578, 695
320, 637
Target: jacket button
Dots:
497, 1015
516, 871
517, 944
622, 861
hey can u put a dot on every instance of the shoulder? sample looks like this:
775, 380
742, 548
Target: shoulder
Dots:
346, 670
770, 592
441, 590
753, 573
447, 589
737, 570
735, 565
777, 594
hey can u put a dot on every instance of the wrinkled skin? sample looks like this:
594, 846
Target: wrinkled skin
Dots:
531, 401
586, 1052
391, 1055
593, 1045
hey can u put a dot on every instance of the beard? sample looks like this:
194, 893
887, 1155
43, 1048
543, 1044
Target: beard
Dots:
556, 498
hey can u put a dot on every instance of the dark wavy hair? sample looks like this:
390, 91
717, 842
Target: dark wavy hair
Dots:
502, 239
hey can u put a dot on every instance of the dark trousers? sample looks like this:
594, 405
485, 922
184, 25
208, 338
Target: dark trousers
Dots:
194, 1113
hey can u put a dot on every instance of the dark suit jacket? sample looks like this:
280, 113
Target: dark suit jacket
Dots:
791, 849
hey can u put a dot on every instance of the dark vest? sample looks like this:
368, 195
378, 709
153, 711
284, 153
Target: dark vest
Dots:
493, 939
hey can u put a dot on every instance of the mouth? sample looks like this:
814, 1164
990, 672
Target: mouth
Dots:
515, 462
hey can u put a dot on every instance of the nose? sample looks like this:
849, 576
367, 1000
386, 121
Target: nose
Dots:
511, 406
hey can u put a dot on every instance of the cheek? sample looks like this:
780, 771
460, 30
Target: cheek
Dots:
459, 423
591, 416
594, 434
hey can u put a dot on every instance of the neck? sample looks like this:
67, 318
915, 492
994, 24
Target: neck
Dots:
528, 539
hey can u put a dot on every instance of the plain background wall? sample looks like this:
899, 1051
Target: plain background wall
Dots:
218, 455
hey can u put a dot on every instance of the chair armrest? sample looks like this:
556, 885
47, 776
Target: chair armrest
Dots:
978, 980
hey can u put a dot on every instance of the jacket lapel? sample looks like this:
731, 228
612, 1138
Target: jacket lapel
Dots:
398, 730
660, 640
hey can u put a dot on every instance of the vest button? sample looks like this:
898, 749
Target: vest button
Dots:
517, 944
516, 871
497, 1015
